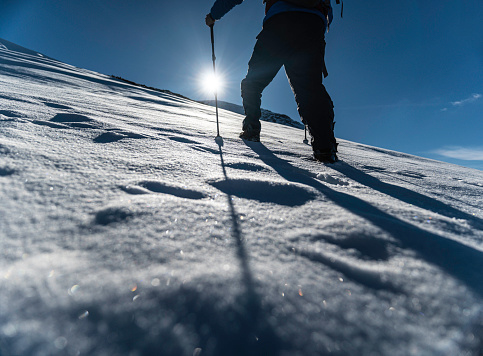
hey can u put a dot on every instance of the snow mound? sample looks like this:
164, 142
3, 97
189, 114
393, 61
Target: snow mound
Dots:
325, 177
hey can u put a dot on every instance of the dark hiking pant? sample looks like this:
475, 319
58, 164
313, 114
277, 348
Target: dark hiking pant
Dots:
294, 40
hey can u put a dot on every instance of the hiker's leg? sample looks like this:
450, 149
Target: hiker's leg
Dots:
316, 109
304, 69
262, 68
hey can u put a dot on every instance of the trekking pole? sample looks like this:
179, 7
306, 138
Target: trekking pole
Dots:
214, 75
305, 140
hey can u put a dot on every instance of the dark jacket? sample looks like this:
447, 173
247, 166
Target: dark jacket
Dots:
221, 7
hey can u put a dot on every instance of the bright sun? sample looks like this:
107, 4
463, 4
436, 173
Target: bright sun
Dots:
212, 83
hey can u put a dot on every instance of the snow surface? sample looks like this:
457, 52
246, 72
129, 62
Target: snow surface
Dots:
267, 115
125, 229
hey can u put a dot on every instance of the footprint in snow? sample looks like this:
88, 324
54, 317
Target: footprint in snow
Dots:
148, 187
69, 118
247, 166
114, 135
76, 120
280, 193
108, 137
6, 171
112, 215
57, 106
65, 121
10, 113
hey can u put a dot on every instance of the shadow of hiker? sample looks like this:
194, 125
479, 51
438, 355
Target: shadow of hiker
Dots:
406, 195
455, 258
253, 335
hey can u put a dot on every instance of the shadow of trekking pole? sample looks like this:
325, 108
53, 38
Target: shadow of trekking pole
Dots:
255, 335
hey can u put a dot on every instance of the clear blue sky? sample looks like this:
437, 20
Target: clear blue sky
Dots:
404, 75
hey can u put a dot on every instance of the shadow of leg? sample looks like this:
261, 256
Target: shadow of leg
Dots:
455, 258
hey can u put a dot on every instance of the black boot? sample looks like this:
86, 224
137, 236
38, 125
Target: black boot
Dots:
326, 156
250, 134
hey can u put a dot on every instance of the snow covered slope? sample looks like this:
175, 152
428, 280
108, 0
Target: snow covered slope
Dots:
126, 230
267, 115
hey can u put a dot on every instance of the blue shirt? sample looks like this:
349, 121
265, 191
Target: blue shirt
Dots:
221, 7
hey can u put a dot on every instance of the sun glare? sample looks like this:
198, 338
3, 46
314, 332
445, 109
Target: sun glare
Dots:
212, 83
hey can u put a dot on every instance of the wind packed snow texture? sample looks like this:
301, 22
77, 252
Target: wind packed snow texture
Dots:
127, 230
